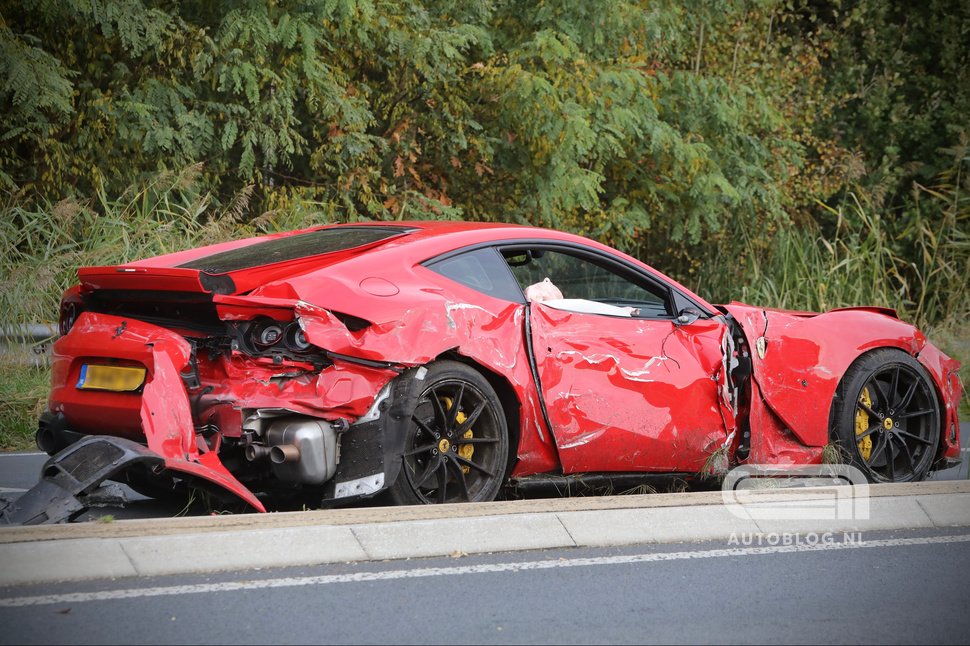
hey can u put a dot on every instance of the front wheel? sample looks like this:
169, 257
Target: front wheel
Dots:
457, 443
887, 417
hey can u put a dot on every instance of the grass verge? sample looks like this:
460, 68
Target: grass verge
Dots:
23, 396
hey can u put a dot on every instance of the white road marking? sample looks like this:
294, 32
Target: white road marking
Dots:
12, 490
231, 586
19, 455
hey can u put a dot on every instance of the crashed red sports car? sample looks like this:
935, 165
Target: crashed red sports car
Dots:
444, 362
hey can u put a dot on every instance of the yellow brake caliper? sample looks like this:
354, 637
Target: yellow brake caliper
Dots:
862, 424
467, 450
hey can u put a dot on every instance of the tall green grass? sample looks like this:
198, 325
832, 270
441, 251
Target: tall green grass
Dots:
23, 394
917, 269
44, 244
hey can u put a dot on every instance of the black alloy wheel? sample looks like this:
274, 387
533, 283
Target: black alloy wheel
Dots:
887, 417
457, 444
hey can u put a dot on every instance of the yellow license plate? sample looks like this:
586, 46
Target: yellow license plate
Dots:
117, 378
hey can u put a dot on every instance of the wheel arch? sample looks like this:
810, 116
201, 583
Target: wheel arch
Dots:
799, 360
936, 379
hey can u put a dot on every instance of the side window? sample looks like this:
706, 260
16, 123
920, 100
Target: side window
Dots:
483, 270
585, 283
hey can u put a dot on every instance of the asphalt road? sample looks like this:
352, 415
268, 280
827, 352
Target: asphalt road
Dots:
900, 587
905, 586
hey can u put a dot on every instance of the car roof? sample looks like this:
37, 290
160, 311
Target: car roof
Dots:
421, 234
413, 242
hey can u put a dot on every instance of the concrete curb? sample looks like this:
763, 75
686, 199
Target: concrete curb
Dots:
208, 544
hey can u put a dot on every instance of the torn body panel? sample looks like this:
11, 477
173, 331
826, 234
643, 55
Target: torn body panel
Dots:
194, 399
489, 333
771, 441
162, 408
800, 358
439, 322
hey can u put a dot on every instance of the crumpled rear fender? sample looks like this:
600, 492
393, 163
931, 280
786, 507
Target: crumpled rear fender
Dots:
163, 406
490, 336
798, 360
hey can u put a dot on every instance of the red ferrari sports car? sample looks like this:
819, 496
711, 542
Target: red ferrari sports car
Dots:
444, 362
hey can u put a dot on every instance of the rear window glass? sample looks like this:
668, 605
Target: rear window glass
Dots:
482, 270
301, 245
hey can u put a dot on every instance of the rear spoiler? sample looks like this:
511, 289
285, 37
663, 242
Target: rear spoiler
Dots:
167, 279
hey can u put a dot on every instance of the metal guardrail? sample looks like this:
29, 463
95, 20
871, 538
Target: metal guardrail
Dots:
29, 331
28, 343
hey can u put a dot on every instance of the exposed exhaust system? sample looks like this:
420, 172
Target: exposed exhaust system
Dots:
256, 452
53, 435
300, 449
284, 453
48, 441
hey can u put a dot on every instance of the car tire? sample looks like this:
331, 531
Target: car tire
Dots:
886, 417
457, 443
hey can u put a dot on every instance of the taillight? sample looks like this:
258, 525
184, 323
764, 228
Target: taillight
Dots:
268, 337
265, 335
295, 339
70, 310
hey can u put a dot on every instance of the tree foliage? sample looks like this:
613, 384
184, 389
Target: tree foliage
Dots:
687, 132
560, 112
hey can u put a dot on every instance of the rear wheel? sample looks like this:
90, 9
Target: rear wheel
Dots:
887, 417
457, 444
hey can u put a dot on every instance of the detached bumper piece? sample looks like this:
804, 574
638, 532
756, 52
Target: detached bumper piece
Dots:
70, 475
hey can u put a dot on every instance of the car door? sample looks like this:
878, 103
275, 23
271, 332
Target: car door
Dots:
626, 386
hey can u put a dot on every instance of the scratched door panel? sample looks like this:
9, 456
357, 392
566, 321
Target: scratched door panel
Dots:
628, 394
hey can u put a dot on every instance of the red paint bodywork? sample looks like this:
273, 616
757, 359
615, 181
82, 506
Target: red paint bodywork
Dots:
620, 394
631, 394
805, 357
160, 413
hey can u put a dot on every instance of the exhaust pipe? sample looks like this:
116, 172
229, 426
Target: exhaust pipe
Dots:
52, 434
256, 452
284, 453
48, 441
